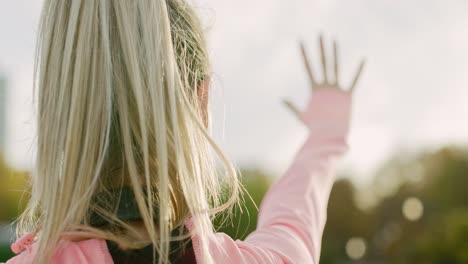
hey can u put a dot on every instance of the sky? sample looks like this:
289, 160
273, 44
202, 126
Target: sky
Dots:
413, 94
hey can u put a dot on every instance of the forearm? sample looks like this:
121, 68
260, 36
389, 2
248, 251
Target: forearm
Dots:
296, 205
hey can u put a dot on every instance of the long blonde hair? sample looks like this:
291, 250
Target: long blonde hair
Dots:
116, 84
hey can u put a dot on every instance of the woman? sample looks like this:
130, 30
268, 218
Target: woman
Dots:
124, 170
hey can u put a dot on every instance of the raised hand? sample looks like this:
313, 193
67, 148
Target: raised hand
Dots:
328, 82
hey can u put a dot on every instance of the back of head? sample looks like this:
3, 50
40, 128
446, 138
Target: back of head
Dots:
117, 106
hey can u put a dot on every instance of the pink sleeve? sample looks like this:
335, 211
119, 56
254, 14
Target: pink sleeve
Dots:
292, 214
91, 251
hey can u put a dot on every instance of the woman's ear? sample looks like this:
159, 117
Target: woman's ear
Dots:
203, 92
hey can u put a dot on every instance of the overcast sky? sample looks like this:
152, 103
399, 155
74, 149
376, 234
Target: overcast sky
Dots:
413, 94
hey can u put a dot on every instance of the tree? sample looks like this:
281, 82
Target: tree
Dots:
12, 186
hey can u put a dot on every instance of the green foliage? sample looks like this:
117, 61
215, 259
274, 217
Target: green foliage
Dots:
12, 185
5, 252
244, 221
440, 236
447, 243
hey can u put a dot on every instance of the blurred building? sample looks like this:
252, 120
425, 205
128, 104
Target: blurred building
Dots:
3, 109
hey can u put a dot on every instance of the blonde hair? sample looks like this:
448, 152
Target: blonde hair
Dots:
116, 84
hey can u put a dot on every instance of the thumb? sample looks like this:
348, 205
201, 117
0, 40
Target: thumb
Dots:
293, 109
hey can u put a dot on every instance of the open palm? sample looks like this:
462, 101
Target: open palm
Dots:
328, 82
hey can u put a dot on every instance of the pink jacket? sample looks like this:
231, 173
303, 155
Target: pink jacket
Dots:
292, 215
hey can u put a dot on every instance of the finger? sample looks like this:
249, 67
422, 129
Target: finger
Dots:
358, 75
324, 60
306, 61
337, 71
293, 109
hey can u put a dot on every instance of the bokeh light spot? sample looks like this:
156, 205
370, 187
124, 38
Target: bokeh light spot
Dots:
413, 209
356, 248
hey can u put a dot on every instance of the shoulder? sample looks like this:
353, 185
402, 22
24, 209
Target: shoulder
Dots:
91, 251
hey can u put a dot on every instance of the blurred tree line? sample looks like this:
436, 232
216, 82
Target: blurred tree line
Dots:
414, 211
438, 180
12, 185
